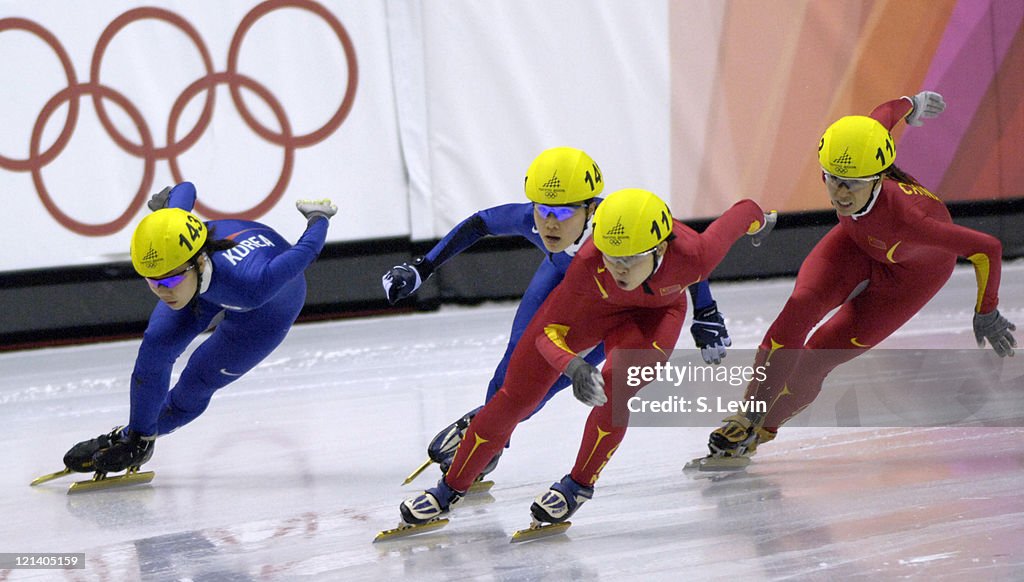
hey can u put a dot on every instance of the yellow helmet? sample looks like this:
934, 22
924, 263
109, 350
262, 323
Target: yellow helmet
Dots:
856, 146
630, 222
165, 240
563, 176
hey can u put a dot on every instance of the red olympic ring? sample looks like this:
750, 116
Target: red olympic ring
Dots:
67, 94
69, 71
236, 80
94, 76
173, 149
350, 58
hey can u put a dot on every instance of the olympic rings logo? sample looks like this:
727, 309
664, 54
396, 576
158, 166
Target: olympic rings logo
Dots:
147, 150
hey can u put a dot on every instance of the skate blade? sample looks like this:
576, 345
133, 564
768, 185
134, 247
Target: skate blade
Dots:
711, 464
538, 531
99, 482
405, 530
417, 472
480, 487
50, 477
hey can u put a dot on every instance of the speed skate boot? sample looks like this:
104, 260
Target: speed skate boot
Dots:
79, 458
129, 451
432, 504
442, 448
561, 501
739, 436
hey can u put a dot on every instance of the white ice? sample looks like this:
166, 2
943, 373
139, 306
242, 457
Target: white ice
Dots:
294, 468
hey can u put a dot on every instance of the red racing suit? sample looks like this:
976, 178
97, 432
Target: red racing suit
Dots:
584, 310
903, 248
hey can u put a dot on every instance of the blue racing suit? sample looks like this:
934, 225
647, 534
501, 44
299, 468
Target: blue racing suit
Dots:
260, 288
517, 220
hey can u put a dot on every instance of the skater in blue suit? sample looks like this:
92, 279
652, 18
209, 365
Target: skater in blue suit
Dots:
563, 185
241, 270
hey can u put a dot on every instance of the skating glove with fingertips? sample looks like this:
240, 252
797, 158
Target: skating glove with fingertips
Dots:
709, 333
759, 232
160, 199
996, 329
587, 382
403, 280
927, 105
313, 209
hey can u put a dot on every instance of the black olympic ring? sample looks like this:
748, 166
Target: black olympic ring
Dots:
173, 148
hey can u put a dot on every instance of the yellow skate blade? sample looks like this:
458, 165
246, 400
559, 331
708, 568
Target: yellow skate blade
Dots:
480, 487
536, 532
101, 482
50, 477
406, 530
417, 472
705, 464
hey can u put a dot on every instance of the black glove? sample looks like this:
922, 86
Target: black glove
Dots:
160, 199
587, 382
403, 280
996, 329
313, 209
709, 333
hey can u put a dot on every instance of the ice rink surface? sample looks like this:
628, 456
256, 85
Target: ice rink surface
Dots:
294, 468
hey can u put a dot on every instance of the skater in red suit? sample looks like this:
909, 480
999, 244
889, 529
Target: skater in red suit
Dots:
626, 288
894, 248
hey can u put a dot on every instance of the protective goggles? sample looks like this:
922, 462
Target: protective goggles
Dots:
850, 183
630, 261
561, 213
170, 282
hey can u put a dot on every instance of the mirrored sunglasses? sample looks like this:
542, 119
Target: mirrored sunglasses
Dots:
561, 213
171, 281
850, 183
629, 261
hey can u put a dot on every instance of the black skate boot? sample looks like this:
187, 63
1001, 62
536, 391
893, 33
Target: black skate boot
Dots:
433, 503
129, 451
442, 448
79, 458
561, 501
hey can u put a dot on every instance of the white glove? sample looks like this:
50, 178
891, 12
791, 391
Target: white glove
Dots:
312, 209
757, 237
927, 104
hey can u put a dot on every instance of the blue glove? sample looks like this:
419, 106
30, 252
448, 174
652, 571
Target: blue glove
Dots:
709, 333
403, 280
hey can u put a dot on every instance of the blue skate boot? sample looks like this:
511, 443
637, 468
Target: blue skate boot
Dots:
561, 501
432, 504
553, 508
